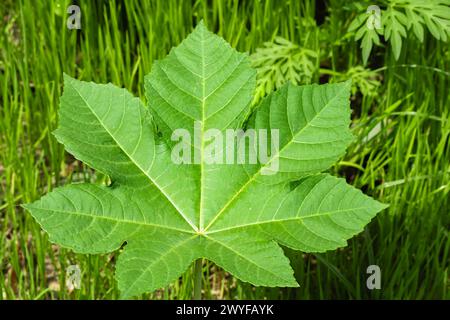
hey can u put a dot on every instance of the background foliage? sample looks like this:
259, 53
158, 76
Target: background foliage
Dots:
400, 102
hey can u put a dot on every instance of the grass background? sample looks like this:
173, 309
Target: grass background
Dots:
401, 154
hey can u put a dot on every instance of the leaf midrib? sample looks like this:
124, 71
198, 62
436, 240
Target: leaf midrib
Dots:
138, 223
160, 258
221, 211
297, 218
202, 146
134, 162
223, 244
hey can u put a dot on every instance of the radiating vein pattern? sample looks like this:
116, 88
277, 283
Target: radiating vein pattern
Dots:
110, 130
167, 215
319, 214
203, 80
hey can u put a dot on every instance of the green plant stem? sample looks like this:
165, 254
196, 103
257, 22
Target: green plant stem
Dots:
198, 279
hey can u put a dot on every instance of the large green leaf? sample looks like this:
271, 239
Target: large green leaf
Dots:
235, 215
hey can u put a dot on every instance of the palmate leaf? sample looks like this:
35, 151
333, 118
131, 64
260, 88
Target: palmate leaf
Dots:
235, 215
369, 36
398, 18
280, 61
395, 29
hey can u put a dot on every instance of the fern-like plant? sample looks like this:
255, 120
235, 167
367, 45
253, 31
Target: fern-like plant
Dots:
398, 19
